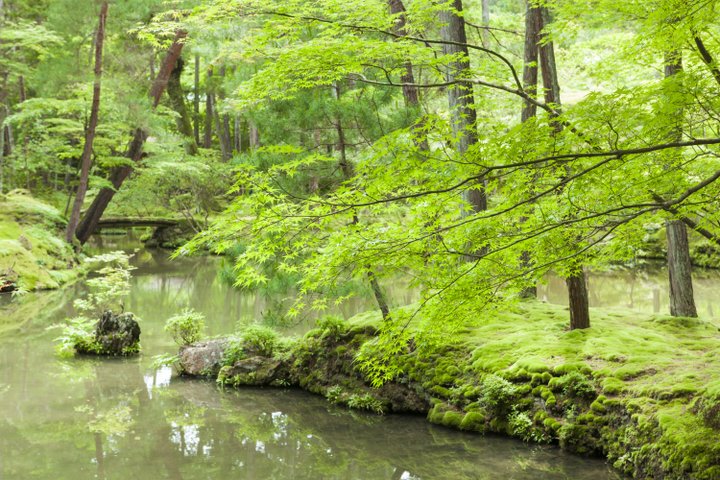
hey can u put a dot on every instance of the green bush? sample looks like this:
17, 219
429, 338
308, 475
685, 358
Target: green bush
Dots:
186, 327
263, 340
498, 394
332, 326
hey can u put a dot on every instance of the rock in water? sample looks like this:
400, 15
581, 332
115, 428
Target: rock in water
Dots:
114, 335
202, 358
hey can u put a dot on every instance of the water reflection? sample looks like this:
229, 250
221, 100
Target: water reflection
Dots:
645, 290
122, 418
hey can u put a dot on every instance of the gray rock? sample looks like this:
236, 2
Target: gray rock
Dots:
202, 358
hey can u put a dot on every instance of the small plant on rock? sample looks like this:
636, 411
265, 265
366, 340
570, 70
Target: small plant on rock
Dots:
186, 327
260, 339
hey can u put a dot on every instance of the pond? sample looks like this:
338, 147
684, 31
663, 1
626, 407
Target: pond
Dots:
122, 418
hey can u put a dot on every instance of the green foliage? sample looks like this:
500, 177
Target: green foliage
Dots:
186, 327
497, 393
78, 334
260, 339
366, 402
110, 286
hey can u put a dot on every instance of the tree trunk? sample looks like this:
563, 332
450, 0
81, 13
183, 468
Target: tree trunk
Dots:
237, 139
196, 101
221, 132
89, 222
461, 99
577, 289
86, 158
530, 64
529, 110
410, 93
486, 23
348, 171
177, 99
209, 108
578, 299
682, 300
254, 136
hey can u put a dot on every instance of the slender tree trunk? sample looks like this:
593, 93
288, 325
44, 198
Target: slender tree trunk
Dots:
410, 92
209, 109
177, 99
461, 98
530, 64
576, 282
529, 110
237, 139
89, 222
86, 158
3, 116
682, 300
23, 97
221, 132
196, 101
348, 171
222, 123
254, 136
486, 23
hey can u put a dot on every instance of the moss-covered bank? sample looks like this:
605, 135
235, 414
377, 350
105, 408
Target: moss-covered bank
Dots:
33, 253
643, 391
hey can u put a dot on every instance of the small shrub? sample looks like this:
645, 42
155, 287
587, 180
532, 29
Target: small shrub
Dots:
334, 394
521, 425
366, 402
332, 326
233, 352
498, 393
575, 384
186, 327
263, 340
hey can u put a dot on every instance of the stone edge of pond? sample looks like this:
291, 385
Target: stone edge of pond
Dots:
561, 406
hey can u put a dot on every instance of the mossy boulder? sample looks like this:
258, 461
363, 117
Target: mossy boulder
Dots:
256, 371
114, 335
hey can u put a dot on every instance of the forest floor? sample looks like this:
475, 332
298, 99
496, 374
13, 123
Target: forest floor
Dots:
641, 390
33, 253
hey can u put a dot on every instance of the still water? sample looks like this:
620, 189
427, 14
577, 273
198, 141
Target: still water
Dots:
123, 419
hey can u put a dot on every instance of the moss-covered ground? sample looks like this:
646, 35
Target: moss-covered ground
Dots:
641, 390
32, 251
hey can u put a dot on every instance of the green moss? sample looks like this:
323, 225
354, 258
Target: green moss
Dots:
452, 419
613, 386
474, 421
32, 251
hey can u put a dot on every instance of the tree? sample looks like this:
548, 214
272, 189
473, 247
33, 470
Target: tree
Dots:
86, 158
92, 216
682, 301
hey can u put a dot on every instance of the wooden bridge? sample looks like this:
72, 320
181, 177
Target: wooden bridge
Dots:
130, 222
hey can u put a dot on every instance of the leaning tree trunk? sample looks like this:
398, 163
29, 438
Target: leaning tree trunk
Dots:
86, 158
348, 171
682, 300
89, 222
177, 99
576, 281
